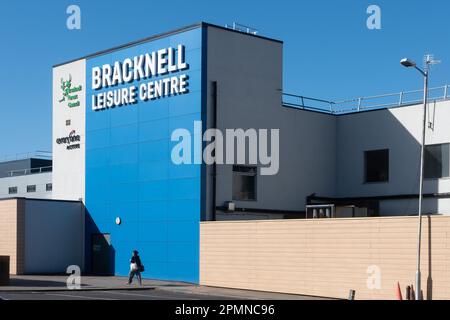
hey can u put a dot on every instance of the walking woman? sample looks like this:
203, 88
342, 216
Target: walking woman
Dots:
136, 267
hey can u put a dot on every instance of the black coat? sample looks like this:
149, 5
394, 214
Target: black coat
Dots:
137, 260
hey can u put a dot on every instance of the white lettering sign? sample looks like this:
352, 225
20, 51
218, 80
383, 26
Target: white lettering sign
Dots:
143, 67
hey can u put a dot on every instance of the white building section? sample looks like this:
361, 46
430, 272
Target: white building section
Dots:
397, 130
37, 185
69, 105
26, 175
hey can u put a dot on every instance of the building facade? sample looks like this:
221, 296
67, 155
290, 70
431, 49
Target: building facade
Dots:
27, 177
41, 236
117, 117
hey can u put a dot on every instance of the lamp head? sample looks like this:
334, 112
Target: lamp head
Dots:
407, 63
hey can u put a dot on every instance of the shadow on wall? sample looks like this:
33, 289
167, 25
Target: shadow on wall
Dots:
399, 130
100, 255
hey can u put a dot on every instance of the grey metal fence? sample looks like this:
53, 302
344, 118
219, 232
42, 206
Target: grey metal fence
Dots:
365, 103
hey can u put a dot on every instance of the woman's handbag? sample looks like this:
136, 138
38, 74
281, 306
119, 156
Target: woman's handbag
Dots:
142, 269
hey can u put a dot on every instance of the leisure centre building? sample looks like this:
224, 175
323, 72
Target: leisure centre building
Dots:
115, 112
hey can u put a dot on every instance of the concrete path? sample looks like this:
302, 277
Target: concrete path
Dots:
57, 284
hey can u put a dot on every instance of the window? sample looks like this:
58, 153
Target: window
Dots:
68, 122
12, 190
244, 183
48, 187
436, 161
376, 164
31, 188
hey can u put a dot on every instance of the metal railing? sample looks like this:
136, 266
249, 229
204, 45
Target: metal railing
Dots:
24, 172
39, 154
365, 103
242, 28
302, 102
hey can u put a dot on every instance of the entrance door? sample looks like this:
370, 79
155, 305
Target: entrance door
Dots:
101, 254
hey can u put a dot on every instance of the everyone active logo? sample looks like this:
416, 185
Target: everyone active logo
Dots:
72, 140
70, 93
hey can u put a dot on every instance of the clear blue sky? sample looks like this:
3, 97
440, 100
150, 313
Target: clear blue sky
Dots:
328, 50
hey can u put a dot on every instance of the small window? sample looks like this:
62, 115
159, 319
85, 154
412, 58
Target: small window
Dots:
376, 165
244, 183
436, 161
12, 190
68, 122
48, 187
31, 188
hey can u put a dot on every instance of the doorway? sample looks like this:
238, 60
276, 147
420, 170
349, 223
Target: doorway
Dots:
101, 254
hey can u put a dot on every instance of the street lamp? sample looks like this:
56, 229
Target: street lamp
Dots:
407, 63
411, 64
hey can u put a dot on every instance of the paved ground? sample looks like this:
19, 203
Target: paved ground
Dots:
115, 288
147, 294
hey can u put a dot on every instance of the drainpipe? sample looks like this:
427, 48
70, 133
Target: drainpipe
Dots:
214, 167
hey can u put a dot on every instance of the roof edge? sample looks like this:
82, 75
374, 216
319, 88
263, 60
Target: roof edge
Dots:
40, 199
240, 32
158, 36
133, 43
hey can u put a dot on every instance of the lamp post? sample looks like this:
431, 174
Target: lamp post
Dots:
408, 64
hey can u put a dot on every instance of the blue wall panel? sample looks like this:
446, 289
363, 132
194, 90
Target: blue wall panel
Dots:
129, 172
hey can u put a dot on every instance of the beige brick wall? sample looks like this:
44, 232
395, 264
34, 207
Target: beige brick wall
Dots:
11, 233
326, 257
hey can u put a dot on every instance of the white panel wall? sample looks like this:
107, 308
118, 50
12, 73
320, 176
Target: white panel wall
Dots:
54, 236
40, 180
69, 165
399, 130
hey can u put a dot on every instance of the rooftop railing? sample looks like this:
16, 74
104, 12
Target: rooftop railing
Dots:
39, 154
24, 172
403, 98
242, 28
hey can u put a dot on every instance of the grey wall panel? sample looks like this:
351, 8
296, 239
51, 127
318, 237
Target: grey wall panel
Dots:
54, 236
248, 71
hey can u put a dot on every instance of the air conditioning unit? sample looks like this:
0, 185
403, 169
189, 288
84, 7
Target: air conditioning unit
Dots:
230, 206
317, 211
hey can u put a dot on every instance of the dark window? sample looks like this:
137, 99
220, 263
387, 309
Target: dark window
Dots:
12, 190
31, 188
244, 183
376, 165
68, 122
436, 161
48, 187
